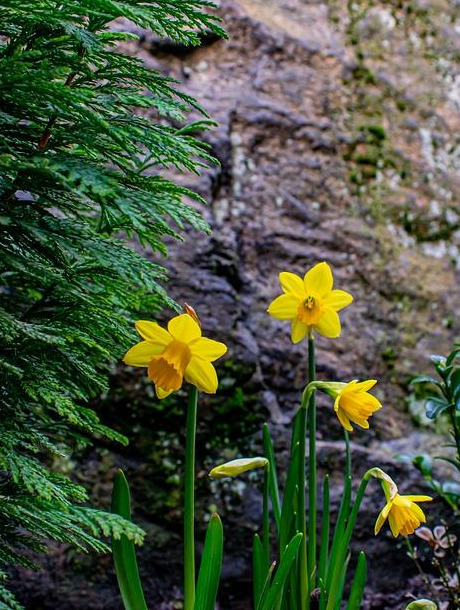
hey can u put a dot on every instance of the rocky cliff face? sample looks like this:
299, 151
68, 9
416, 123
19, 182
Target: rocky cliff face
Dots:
338, 140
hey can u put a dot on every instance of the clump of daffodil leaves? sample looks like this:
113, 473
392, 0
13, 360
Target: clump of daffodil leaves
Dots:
311, 568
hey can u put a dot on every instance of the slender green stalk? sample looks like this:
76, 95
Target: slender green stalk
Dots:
266, 523
312, 491
302, 601
347, 479
325, 527
189, 507
347, 454
273, 477
340, 556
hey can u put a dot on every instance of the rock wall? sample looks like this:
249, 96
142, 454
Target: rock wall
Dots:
338, 140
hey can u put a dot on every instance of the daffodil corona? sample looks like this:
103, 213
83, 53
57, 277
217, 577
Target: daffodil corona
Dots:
403, 514
310, 303
175, 354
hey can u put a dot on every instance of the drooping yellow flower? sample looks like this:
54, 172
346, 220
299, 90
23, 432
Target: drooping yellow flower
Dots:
403, 514
310, 303
175, 354
353, 403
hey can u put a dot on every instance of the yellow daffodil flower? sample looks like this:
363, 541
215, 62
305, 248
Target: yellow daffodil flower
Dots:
175, 354
403, 514
353, 403
310, 303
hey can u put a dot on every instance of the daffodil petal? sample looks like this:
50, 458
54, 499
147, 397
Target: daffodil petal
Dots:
299, 330
184, 328
418, 513
284, 307
343, 419
292, 283
337, 299
365, 386
162, 393
382, 518
151, 331
419, 498
202, 374
329, 324
361, 422
208, 349
319, 280
141, 353
393, 525
337, 403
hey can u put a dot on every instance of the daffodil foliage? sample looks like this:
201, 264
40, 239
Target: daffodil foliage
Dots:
80, 172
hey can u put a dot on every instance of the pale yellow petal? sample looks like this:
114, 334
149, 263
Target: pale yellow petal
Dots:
292, 283
393, 525
337, 403
202, 374
362, 423
337, 299
417, 513
343, 419
382, 518
162, 393
284, 307
299, 330
329, 324
184, 328
365, 386
208, 349
319, 280
350, 387
151, 331
141, 353
419, 498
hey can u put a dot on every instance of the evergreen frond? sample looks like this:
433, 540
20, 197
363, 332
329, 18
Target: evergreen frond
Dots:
86, 133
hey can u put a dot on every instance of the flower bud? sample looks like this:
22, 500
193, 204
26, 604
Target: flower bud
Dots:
236, 467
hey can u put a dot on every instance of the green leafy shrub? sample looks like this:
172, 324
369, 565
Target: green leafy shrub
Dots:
80, 174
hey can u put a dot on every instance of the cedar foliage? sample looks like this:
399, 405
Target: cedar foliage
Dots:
80, 174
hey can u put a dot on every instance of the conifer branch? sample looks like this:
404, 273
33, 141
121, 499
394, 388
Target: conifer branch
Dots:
69, 277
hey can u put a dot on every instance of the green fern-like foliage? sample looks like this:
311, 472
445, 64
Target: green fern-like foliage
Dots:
81, 164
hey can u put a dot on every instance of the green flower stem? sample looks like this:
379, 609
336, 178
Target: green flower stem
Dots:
339, 559
266, 522
189, 506
312, 491
347, 465
303, 599
347, 454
